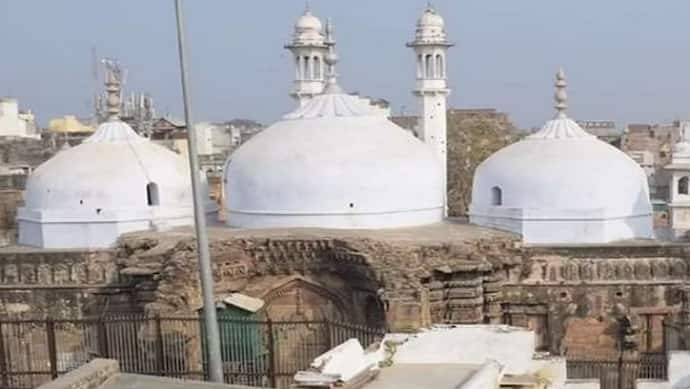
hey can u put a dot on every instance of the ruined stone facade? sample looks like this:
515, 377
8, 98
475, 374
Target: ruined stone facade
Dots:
60, 284
401, 279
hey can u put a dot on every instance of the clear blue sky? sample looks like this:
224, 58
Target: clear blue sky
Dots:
626, 60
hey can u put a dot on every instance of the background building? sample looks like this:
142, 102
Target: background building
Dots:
16, 123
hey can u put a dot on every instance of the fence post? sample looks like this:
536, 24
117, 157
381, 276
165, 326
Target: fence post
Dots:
103, 347
329, 339
52, 347
159, 345
3, 361
271, 354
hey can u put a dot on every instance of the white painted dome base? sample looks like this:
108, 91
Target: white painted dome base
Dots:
337, 221
87, 235
549, 230
60, 230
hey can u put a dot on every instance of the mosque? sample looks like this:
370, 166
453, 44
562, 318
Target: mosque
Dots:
335, 212
337, 162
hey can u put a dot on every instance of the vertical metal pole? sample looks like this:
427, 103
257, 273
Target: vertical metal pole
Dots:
160, 349
271, 354
3, 360
103, 347
205, 274
52, 348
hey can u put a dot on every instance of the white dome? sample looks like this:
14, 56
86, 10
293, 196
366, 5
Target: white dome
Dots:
332, 164
562, 185
114, 182
308, 22
308, 30
430, 18
430, 26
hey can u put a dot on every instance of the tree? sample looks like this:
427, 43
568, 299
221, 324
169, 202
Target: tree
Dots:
472, 139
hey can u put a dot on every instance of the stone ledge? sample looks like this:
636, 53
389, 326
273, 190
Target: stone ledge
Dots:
90, 376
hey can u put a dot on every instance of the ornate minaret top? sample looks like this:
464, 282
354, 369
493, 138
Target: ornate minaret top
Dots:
331, 59
113, 88
561, 96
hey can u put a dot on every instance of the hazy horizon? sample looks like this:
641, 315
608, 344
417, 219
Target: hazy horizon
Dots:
625, 60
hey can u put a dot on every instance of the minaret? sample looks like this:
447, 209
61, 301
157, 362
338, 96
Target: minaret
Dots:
430, 46
308, 48
679, 186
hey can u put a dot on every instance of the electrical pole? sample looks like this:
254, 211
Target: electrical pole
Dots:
215, 362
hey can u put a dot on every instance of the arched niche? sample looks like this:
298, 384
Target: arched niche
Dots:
300, 299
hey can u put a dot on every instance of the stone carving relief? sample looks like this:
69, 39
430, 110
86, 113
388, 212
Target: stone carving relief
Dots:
299, 299
605, 270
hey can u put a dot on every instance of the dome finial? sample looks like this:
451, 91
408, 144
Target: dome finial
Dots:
561, 96
331, 59
307, 8
113, 88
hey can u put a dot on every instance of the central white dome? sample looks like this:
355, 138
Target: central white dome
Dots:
332, 164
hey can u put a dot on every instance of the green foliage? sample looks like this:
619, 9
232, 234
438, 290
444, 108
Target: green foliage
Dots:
471, 141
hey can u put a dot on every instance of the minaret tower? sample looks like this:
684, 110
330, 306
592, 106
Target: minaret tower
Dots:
430, 46
679, 186
309, 48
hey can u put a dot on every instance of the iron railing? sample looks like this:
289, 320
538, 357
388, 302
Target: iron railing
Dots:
676, 335
619, 373
254, 352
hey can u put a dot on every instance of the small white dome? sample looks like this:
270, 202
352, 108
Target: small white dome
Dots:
114, 182
430, 18
307, 23
430, 27
333, 164
562, 185
308, 31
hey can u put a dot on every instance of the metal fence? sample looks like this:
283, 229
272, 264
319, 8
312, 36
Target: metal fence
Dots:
621, 373
676, 336
624, 371
257, 353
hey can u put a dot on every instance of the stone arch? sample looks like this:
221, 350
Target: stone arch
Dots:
374, 313
306, 66
318, 73
420, 66
301, 299
152, 195
683, 185
429, 66
496, 196
440, 66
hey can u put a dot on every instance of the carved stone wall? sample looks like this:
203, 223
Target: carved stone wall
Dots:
10, 200
567, 295
56, 284
571, 295
356, 279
